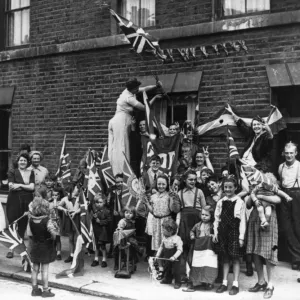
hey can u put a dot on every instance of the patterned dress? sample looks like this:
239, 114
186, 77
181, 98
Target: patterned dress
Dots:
161, 211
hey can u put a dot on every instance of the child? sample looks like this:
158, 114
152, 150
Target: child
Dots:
42, 251
229, 232
202, 180
70, 206
150, 176
128, 223
204, 265
49, 186
171, 249
215, 191
161, 206
101, 219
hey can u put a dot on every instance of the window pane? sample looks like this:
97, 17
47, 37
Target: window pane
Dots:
129, 10
25, 26
233, 7
257, 5
14, 4
25, 3
147, 13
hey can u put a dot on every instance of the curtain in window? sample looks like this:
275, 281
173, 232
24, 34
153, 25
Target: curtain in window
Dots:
257, 5
233, 7
140, 12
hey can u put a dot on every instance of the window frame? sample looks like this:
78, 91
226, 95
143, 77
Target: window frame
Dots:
220, 15
8, 11
118, 7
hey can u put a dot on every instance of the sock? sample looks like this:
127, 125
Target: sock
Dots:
72, 254
96, 258
58, 252
103, 258
225, 282
45, 289
235, 283
161, 269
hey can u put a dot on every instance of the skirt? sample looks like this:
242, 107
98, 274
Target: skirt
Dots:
262, 242
43, 252
157, 235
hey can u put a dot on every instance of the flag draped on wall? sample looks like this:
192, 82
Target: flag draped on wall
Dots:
215, 124
64, 170
140, 40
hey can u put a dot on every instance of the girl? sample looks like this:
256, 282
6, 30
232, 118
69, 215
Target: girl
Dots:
161, 205
229, 232
192, 200
204, 265
43, 232
70, 206
101, 219
170, 248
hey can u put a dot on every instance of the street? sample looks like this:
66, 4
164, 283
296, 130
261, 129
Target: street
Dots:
16, 290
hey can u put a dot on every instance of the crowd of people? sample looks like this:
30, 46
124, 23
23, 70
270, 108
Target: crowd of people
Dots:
198, 225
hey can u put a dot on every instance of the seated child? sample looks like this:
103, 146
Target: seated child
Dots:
204, 264
101, 219
170, 249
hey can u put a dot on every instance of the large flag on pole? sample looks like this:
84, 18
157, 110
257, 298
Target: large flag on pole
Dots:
106, 169
94, 181
86, 226
215, 124
140, 40
64, 170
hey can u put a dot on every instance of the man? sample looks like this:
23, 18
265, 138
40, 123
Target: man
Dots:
40, 172
289, 222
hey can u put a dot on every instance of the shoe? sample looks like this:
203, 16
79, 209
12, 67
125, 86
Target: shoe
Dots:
189, 288
221, 289
9, 255
177, 286
258, 287
95, 263
47, 294
166, 281
268, 293
36, 291
209, 287
160, 275
234, 290
104, 264
58, 257
295, 266
69, 259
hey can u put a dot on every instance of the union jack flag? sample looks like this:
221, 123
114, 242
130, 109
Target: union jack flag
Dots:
64, 170
106, 169
94, 181
10, 238
233, 151
86, 227
140, 41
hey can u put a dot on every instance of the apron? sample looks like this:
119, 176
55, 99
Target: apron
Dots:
290, 220
188, 218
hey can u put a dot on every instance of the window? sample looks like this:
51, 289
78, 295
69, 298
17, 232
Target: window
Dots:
139, 12
17, 22
240, 7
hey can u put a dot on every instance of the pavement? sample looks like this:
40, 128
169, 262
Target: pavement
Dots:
101, 282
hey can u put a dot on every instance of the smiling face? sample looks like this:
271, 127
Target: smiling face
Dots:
155, 165
191, 181
229, 189
213, 187
162, 184
290, 153
172, 130
257, 127
204, 176
142, 126
199, 159
36, 160
22, 163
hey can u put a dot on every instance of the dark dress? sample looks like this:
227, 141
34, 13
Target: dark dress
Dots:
228, 232
102, 229
43, 247
18, 201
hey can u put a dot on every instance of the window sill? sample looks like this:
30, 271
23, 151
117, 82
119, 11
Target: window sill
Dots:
265, 12
17, 47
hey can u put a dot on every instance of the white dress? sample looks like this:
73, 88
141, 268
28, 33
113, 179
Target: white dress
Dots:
2, 218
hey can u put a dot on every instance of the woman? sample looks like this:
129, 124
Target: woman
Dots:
21, 187
259, 143
120, 125
201, 161
263, 244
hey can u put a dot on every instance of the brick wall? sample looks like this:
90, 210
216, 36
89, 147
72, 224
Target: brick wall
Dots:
172, 13
76, 93
59, 21
286, 5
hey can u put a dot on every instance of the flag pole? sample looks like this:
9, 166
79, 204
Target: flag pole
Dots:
228, 153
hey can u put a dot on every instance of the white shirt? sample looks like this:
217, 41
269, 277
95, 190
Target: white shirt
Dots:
126, 102
288, 174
